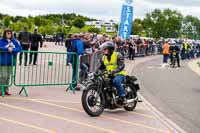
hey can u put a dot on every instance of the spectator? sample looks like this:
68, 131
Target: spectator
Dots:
9, 47
35, 40
25, 39
68, 45
77, 47
131, 49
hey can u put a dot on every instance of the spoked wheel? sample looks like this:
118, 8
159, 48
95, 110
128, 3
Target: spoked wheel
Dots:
93, 103
130, 94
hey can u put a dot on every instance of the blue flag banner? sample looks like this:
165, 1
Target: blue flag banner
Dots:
126, 19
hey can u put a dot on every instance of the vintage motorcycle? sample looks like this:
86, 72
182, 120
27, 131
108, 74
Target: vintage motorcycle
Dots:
99, 94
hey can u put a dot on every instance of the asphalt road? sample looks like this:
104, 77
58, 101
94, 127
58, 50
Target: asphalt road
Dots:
174, 92
49, 109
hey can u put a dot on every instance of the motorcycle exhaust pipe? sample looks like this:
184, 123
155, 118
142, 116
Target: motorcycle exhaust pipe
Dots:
130, 101
133, 100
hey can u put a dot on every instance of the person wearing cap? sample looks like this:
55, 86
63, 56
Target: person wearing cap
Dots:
35, 40
9, 48
113, 62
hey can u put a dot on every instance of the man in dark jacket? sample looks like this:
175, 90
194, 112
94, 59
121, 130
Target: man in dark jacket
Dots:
35, 40
68, 45
174, 49
25, 39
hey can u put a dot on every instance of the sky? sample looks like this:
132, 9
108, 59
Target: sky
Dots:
99, 9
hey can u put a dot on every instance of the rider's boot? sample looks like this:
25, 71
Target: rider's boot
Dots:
122, 100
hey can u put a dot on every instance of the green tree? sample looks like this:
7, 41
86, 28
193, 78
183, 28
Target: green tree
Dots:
37, 21
165, 23
79, 23
94, 30
59, 29
6, 21
191, 27
17, 26
137, 27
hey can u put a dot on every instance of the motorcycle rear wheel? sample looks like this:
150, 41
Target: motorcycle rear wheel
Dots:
131, 94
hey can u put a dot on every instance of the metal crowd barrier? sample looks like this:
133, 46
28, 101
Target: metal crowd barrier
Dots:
51, 69
88, 63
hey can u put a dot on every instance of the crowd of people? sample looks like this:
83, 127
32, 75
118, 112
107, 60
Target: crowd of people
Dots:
182, 50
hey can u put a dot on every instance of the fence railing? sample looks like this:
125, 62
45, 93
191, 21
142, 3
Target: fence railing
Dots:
51, 69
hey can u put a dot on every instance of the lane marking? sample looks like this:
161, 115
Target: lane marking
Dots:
47, 100
144, 115
136, 124
57, 117
105, 117
162, 118
26, 125
73, 109
151, 67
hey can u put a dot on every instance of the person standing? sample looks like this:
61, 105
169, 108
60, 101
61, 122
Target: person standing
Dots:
131, 49
9, 48
25, 39
174, 48
166, 53
68, 45
77, 47
35, 40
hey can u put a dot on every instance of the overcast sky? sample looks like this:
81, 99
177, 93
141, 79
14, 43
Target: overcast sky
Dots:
100, 9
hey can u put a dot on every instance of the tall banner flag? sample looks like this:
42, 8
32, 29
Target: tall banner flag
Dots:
126, 19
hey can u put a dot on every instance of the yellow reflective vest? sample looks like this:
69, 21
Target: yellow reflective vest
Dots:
112, 65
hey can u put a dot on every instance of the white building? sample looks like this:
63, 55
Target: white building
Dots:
110, 25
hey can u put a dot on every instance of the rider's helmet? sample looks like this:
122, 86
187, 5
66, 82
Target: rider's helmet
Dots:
108, 45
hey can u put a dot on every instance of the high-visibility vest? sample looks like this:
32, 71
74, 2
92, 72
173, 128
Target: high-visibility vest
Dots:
166, 48
112, 65
185, 46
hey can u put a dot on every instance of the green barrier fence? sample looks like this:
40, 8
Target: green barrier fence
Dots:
6, 71
51, 69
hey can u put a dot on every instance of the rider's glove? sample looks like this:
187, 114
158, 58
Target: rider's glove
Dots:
110, 74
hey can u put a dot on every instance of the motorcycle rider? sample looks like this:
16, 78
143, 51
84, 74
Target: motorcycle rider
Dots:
174, 48
113, 63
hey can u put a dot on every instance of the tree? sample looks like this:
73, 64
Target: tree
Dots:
37, 21
59, 29
191, 27
6, 21
94, 30
17, 26
137, 27
165, 23
79, 23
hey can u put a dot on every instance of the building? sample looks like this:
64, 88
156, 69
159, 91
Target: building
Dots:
109, 25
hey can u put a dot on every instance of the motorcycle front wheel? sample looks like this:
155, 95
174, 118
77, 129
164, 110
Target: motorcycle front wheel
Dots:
93, 103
